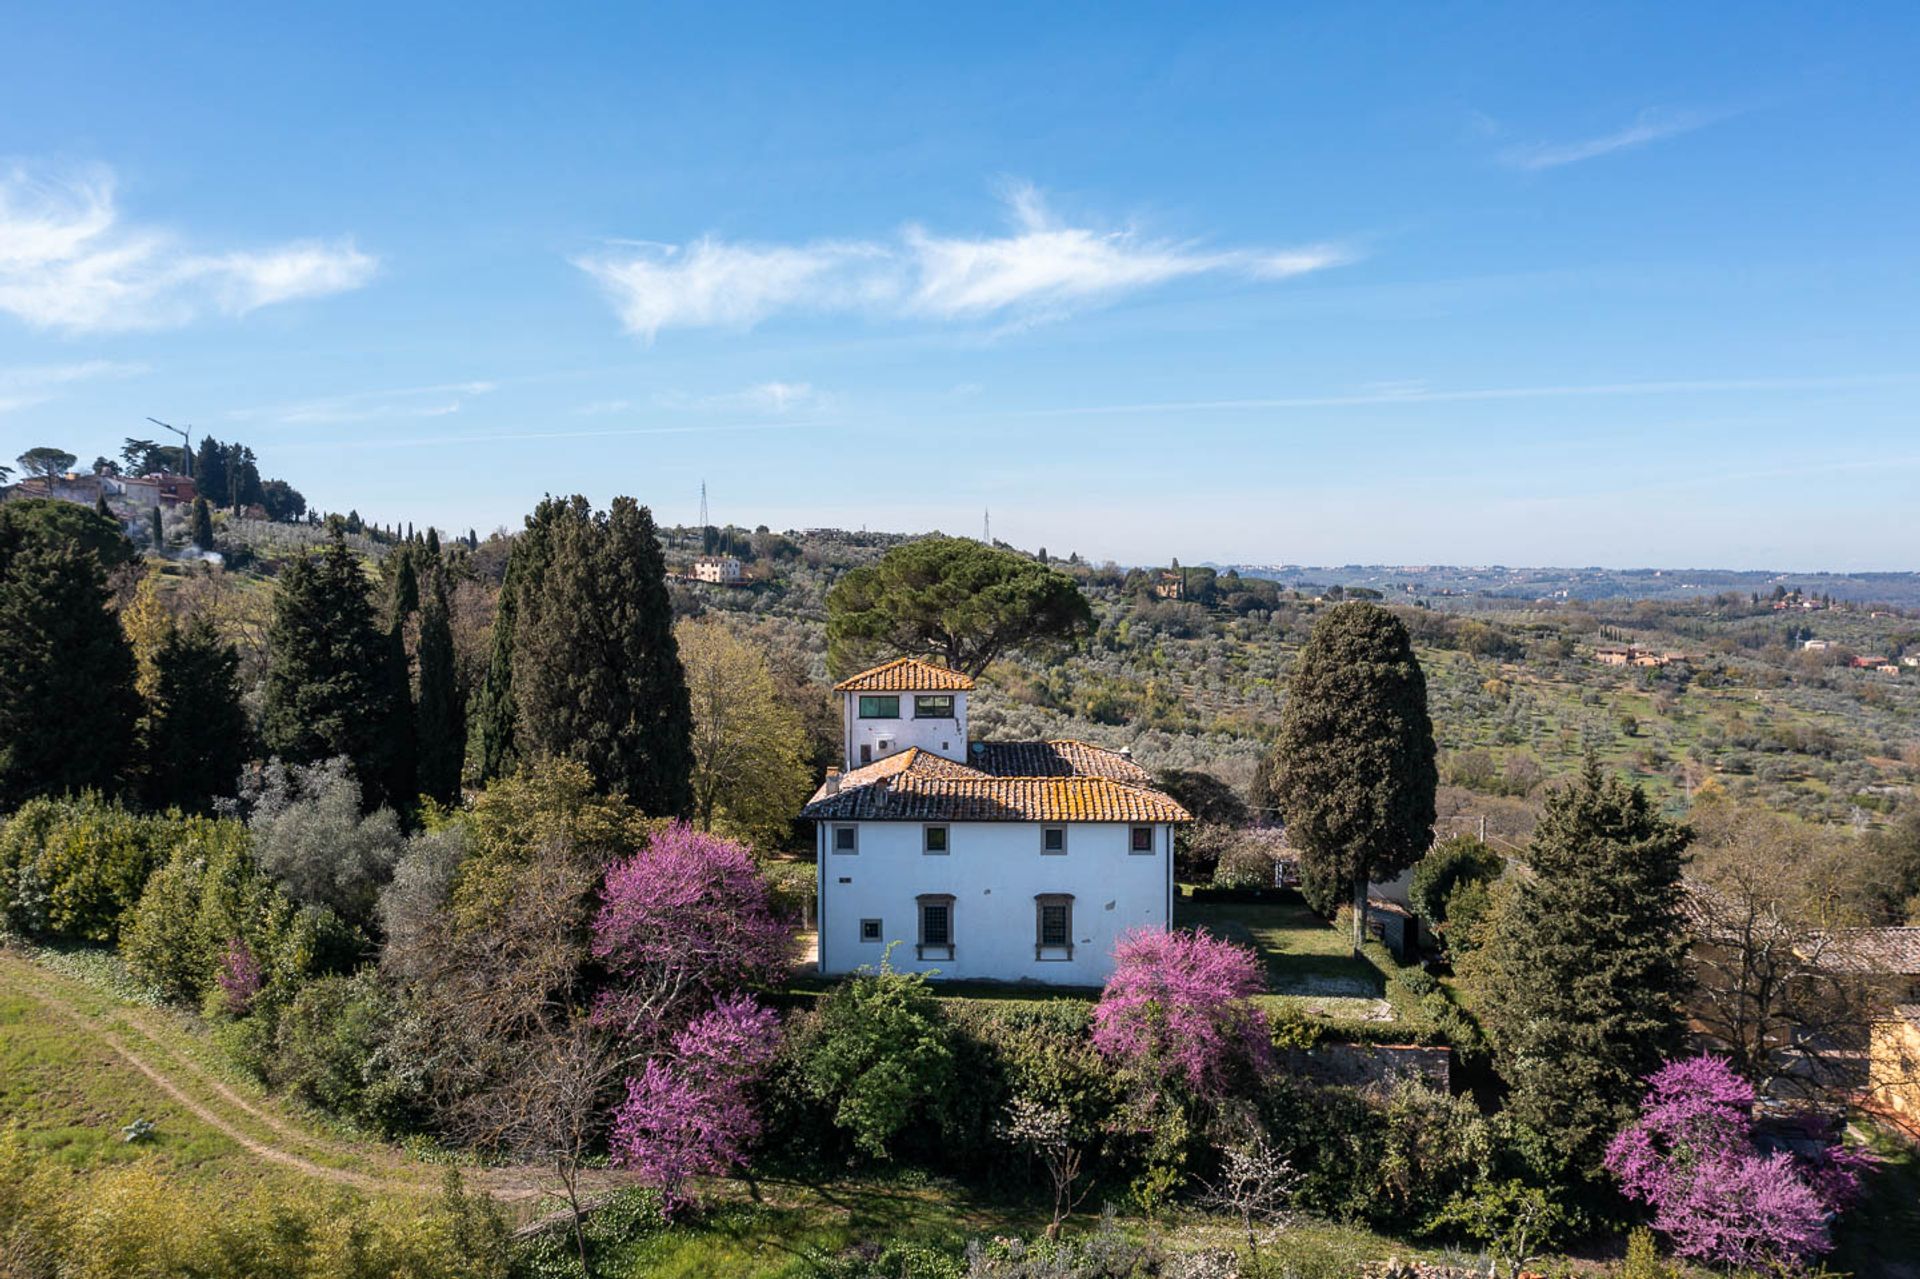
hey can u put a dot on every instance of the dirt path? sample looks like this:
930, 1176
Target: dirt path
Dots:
174, 1073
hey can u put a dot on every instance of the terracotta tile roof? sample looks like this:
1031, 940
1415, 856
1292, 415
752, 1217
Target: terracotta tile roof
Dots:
1065, 758
1871, 951
906, 675
916, 785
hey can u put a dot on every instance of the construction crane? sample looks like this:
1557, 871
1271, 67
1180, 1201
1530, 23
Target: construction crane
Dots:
186, 444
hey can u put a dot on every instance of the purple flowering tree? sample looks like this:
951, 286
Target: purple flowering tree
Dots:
1178, 1009
1691, 1158
690, 1113
686, 920
240, 978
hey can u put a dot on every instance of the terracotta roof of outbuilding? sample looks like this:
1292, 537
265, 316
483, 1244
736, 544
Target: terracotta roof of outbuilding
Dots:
1870, 951
906, 675
917, 785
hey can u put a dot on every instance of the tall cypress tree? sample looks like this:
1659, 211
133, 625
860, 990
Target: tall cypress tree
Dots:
329, 688
588, 666
158, 530
403, 598
202, 524
195, 730
441, 716
210, 478
67, 703
1353, 769
1580, 980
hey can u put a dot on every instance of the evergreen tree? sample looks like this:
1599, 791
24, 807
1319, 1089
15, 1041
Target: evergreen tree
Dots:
67, 701
1580, 981
441, 715
195, 730
210, 478
159, 531
401, 781
202, 524
1353, 769
433, 543
101, 508
595, 671
329, 688
403, 599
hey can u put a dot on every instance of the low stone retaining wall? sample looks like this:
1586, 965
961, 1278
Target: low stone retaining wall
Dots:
1358, 1065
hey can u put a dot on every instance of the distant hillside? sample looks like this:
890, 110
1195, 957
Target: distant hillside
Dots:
1440, 583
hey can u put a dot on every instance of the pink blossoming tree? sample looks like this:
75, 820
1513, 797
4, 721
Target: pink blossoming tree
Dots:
1690, 1156
1178, 1010
686, 920
240, 978
691, 1113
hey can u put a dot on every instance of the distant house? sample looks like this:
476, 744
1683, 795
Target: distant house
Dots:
1888, 668
1815, 645
1912, 659
1630, 655
1870, 663
717, 570
1004, 861
1893, 1066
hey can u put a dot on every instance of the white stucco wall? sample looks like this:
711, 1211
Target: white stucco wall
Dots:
993, 871
944, 737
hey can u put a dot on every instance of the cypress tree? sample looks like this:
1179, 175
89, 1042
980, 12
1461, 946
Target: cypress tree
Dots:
210, 479
440, 719
159, 531
202, 524
1580, 980
1353, 769
329, 688
67, 703
595, 673
101, 508
433, 543
195, 730
404, 597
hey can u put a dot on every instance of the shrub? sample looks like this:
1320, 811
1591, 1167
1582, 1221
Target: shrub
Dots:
311, 837
878, 1054
1178, 1010
330, 1049
72, 868
1451, 865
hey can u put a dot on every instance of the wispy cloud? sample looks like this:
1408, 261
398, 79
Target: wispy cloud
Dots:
767, 397
1650, 125
1041, 268
1419, 393
438, 400
68, 260
27, 386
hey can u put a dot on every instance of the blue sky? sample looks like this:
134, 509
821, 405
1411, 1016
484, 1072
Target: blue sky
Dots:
1603, 284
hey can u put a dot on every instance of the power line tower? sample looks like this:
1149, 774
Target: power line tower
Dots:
986, 526
703, 506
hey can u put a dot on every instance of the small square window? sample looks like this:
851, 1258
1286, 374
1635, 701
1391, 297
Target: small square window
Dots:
936, 840
870, 930
1053, 839
935, 706
846, 839
880, 707
1142, 840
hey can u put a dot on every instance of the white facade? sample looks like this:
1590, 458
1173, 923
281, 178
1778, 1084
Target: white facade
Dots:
722, 570
877, 725
993, 878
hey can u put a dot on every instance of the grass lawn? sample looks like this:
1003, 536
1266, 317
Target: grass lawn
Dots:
1308, 960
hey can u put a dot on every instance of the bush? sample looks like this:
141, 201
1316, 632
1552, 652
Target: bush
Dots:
313, 840
1452, 864
72, 868
330, 1049
878, 1054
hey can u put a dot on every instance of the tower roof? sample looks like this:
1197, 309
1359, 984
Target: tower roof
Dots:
906, 675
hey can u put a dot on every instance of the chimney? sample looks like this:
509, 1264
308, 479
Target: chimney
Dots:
1126, 752
832, 784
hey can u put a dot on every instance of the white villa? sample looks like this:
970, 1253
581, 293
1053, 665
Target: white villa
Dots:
721, 570
1004, 861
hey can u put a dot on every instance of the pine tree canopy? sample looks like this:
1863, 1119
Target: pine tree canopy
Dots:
1580, 980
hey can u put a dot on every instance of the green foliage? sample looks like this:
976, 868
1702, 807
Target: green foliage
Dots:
132, 1221
1579, 982
330, 1049
202, 524
330, 685
592, 672
1514, 1220
73, 868
51, 524
195, 732
954, 598
878, 1053
67, 700
440, 716
1353, 768
1453, 863
1643, 1260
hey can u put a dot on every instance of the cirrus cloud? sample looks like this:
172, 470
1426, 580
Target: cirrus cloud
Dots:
68, 260
1041, 266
